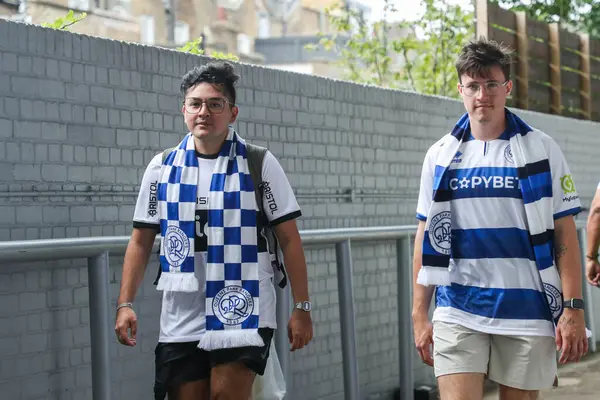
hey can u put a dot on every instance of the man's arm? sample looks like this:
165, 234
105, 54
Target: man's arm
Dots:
593, 242
134, 267
570, 336
423, 330
421, 294
300, 329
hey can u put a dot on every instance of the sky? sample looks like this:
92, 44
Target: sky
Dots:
407, 9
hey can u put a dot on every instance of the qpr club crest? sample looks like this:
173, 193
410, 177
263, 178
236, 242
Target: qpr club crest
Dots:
508, 155
176, 246
555, 299
440, 232
233, 305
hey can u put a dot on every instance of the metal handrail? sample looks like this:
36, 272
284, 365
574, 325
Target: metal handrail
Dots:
98, 249
44, 249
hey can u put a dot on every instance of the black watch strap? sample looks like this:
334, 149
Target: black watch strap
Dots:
577, 304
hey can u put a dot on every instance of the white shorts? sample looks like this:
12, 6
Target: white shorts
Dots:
521, 362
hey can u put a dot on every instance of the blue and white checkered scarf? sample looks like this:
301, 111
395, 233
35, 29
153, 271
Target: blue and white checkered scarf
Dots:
531, 160
232, 285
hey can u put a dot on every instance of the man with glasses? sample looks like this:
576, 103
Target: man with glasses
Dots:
497, 241
218, 312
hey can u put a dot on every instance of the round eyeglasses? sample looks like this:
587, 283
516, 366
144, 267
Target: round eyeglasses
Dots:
491, 88
215, 105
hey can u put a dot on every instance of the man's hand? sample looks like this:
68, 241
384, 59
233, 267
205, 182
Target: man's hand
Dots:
592, 272
126, 321
423, 331
300, 329
570, 336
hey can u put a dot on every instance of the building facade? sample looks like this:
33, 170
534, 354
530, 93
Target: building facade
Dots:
229, 26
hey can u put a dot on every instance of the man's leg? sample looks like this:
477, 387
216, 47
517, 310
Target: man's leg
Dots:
233, 370
231, 382
460, 360
461, 386
522, 365
509, 393
182, 371
197, 390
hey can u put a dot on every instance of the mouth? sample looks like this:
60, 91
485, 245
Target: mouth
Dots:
202, 124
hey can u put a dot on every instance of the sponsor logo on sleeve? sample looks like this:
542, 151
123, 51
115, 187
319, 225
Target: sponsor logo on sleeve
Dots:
568, 187
268, 195
152, 199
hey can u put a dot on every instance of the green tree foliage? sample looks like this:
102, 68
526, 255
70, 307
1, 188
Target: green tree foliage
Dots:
581, 15
416, 55
63, 23
194, 47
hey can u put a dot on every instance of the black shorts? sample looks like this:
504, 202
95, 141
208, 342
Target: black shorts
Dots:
177, 363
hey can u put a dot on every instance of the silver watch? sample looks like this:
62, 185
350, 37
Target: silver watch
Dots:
303, 305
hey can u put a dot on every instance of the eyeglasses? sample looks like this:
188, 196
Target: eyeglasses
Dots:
215, 105
491, 88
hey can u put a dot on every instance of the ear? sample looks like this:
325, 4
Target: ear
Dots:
509, 87
234, 113
460, 88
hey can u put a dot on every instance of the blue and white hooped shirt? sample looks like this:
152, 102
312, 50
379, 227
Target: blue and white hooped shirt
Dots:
496, 287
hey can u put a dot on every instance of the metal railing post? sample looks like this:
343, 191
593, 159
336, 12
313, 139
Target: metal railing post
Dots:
404, 259
587, 289
99, 325
282, 344
347, 323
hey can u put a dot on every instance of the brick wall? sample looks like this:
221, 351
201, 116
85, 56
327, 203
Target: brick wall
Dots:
80, 117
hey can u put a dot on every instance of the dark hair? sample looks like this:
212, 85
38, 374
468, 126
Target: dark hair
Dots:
219, 74
478, 57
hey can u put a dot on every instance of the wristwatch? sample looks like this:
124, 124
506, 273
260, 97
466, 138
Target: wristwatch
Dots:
303, 305
574, 303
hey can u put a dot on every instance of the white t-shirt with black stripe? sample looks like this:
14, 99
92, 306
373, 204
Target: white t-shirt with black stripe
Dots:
182, 315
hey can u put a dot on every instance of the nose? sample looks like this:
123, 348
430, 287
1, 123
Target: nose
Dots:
204, 109
482, 94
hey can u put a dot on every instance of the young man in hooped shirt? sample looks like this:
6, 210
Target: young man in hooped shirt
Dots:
218, 307
497, 239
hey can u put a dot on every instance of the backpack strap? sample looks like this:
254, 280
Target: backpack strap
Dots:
166, 153
256, 156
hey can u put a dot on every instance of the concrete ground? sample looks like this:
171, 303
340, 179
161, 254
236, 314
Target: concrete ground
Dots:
579, 381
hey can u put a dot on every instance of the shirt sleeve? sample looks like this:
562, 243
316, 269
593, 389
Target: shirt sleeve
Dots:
426, 187
279, 201
565, 199
145, 214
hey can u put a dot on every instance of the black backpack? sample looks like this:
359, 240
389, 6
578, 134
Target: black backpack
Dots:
256, 156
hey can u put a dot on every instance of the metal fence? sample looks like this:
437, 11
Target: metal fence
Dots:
97, 250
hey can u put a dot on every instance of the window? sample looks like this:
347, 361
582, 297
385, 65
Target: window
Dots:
182, 32
243, 44
147, 29
264, 25
80, 4
121, 6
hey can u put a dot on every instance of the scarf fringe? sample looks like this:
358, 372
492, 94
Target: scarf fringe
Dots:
433, 276
178, 282
226, 339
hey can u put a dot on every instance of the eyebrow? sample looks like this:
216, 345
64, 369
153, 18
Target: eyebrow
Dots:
208, 98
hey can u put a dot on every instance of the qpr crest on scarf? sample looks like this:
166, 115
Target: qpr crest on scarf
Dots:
233, 305
440, 231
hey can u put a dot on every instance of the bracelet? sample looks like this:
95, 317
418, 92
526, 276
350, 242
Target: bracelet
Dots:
592, 257
122, 305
